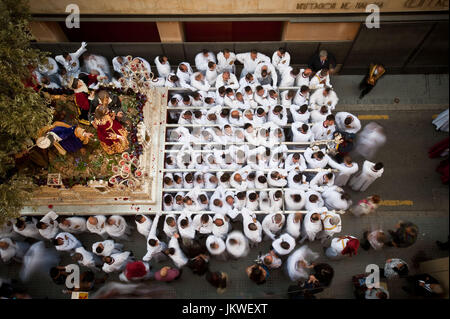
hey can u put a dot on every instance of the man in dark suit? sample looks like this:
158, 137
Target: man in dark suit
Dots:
321, 60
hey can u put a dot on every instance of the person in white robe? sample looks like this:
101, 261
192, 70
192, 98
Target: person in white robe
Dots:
203, 223
11, 249
322, 181
339, 246
286, 98
332, 224
116, 226
211, 74
248, 82
266, 74
295, 161
186, 228
184, 72
228, 80
48, 225
281, 59
250, 60
312, 224
288, 76
270, 260
225, 61
320, 80
106, 247
336, 199
70, 61
143, 224
272, 224
199, 81
297, 181
202, 59
7, 229
301, 133
314, 200
73, 225
237, 244
294, 224
347, 122
346, 169
97, 62
175, 253
155, 247
170, 225
324, 130
324, 96
252, 227
38, 260
27, 228
300, 113
370, 140
283, 245
315, 157
252, 202
66, 242
221, 226
278, 115
299, 263
303, 77
369, 173
294, 199
96, 225
216, 247
277, 177
163, 66
116, 262
302, 96
86, 258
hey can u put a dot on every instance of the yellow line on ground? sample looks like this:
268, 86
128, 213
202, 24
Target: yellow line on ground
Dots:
373, 117
434, 116
396, 203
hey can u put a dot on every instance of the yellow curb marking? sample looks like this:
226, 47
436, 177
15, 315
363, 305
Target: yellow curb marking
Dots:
373, 117
396, 203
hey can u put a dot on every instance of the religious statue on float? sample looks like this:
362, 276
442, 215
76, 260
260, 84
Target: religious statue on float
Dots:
111, 134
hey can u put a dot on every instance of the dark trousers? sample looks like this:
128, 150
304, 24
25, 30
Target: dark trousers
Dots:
365, 87
364, 242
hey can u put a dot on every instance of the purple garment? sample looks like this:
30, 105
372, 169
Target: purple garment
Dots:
69, 142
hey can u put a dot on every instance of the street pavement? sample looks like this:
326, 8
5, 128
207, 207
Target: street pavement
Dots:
410, 188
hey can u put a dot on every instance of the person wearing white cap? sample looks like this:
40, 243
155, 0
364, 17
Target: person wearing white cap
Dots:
73, 225
48, 225
186, 228
143, 224
237, 244
252, 227
96, 225
116, 262
283, 245
66, 242
202, 59
27, 227
163, 66
117, 227
175, 253
106, 247
11, 249
216, 247
203, 223
155, 247
170, 225
86, 258
346, 169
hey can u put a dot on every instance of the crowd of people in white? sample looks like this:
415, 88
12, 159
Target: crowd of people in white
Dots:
238, 148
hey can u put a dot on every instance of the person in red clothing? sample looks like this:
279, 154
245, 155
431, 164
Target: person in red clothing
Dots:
167, 274
82, 99
112, 135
